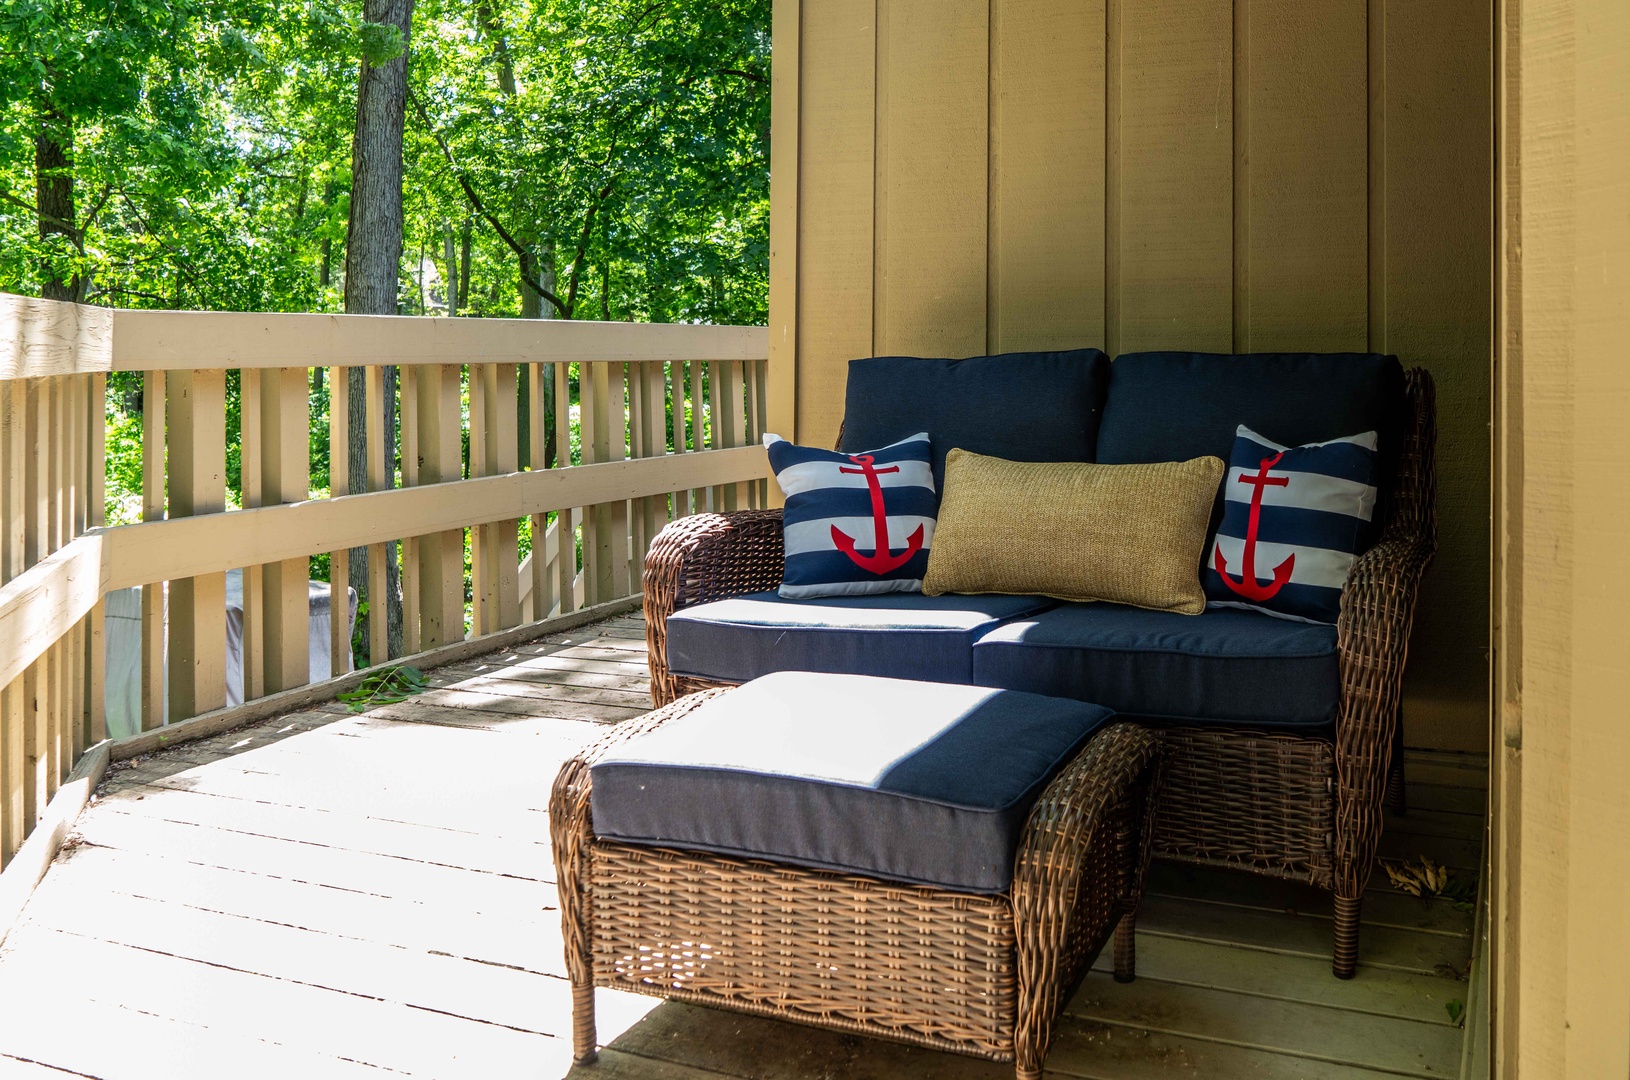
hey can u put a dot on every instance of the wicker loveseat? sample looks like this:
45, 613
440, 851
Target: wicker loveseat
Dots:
1280, 754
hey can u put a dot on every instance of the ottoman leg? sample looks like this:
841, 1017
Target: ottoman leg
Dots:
583, 1034
1126, 948
1345, 961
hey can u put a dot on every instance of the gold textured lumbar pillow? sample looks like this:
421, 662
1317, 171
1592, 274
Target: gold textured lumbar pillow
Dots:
1129, 534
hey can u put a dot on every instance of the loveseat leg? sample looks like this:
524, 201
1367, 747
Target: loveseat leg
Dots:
1345, 963
1126, 948
584, 1051
1397, 802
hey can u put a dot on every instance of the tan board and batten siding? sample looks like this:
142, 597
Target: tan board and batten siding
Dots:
1561, 940
973, 176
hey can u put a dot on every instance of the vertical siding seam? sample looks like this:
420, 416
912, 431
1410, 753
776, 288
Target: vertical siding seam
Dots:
880, 46
1376, 253
1112, 176
1242, 176
993, 233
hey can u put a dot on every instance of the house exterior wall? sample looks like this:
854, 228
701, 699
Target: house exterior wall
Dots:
957, 177
1561, 922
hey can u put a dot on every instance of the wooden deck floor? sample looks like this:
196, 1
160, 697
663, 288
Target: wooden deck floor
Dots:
330, 895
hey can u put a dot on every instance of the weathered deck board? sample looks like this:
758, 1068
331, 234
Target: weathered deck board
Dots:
330, 895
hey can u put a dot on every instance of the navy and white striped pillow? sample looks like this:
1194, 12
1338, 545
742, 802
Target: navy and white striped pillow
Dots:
1294, 522
837, 504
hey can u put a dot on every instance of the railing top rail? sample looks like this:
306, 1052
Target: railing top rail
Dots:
43, 337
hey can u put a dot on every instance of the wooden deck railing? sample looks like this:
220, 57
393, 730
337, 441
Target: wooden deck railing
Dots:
667, 418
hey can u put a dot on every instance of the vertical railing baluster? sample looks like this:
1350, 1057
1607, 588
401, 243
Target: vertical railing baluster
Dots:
595, 445
339, 562
197, 662
676, 410
95, 518
13, 487
13, 825
482, 585
285, 477
441, 555
410, 478
637, 410
566, 517
756, 403
251, 442
153, 473
36, 545
378, 572
617, 445
540, 598
73, 643
657, 510
503, 456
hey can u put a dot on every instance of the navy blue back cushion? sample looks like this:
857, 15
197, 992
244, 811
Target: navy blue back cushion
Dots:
1171, 406
1018, 406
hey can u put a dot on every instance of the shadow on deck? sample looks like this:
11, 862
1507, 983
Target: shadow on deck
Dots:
327, 895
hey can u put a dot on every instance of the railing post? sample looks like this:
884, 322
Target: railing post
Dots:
197, 664
285, 477
153, 474
440, 461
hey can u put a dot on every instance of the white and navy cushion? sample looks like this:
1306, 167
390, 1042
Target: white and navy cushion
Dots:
1294, 521
855, 524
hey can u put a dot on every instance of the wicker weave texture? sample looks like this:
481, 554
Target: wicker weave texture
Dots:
1244, 822
1305, 809
980, 975
698, 559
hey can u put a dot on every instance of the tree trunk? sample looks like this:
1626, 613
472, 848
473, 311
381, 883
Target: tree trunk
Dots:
54, 202
464, 240
373, 265
450, 260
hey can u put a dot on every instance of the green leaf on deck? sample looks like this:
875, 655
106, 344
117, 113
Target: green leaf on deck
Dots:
386, 687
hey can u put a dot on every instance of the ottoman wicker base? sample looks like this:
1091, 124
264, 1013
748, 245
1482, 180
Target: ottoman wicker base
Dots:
973, 973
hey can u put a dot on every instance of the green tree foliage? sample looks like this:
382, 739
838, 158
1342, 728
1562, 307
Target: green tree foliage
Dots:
624, 144
612, 153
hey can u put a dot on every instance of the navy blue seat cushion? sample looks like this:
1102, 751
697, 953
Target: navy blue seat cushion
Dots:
899, 635
1041, 406
921, 782
1171, 406
1236, 668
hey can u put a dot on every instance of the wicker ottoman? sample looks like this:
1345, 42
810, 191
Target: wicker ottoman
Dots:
976, 972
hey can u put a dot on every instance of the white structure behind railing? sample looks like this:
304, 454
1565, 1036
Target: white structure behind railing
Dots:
667, 418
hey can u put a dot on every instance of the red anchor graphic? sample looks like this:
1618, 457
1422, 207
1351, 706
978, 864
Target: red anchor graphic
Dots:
880, 561
1247, 586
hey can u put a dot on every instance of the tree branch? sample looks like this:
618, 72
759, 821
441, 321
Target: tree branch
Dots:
66, 226
564, 307
581, 256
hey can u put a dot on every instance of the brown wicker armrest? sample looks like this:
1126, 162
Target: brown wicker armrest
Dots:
1057, 912
1377, 610
701, 558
